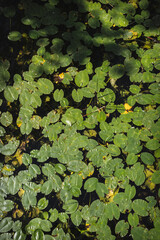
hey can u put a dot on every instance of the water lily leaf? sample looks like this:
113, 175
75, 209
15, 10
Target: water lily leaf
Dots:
57, 45
47, 187
70, 206
139, 233
112, 210
82, 78
26, 159
42, 203
77, 95
38, 223
6, 224
58, 95
35, 70
14, 36
113, 150
60, 168
76, 218
156, 177
13, 185
34, 170
53, 215
6, 205
42, 42
6, 119
153, 144
131, 66
116, 71
122, 228
65, 60
133, 219
131, 159
19, 235
140, 207
48, 170
38, 235
91, 184
29, 199
45, 85
10, 147
101, 189
26, 128
147, 158
11, 94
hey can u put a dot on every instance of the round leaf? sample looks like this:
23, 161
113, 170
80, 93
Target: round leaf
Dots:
45, 85
82, 78
14, 36
6, 119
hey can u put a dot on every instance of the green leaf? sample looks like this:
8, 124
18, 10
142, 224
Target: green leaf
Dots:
139, 233
29, 199
14, 36
133, 219
45, 85
77, 95
91, 184
117, 71
42, 203
101, 189
42, 42
6, 224
140, 207
76, 218
53, 215
113, 150
38, 223
11, 93
156, 177
147, 158
13, 185
82, 78
153, 144
122, 228
58, 95
38, 235
6, 205
70, 206
9, 148
6, 119
131, 159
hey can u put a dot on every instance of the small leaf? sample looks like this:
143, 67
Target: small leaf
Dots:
82, 78
91, 184
6, 224
156, 177
58, 95
6, 119
10, 93
122, 228
133, 219
14, 36
76, 218
42, 203
45, 85
70, 206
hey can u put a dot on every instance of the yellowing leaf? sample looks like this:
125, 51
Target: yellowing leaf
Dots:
127, 106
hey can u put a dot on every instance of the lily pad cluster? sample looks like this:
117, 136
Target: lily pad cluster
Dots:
79, 121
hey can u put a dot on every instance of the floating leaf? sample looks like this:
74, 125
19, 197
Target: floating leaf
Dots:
14, 36
10, 93
9, 148
122, 228
140, 207
45, 85
76, 218
91, 184
6, 119
6, 224
117, 71
82, 78
42, 203
70, 206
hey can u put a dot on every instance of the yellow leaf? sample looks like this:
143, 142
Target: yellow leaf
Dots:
21, 192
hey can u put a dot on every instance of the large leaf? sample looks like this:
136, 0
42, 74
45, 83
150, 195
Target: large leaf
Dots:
82, 78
